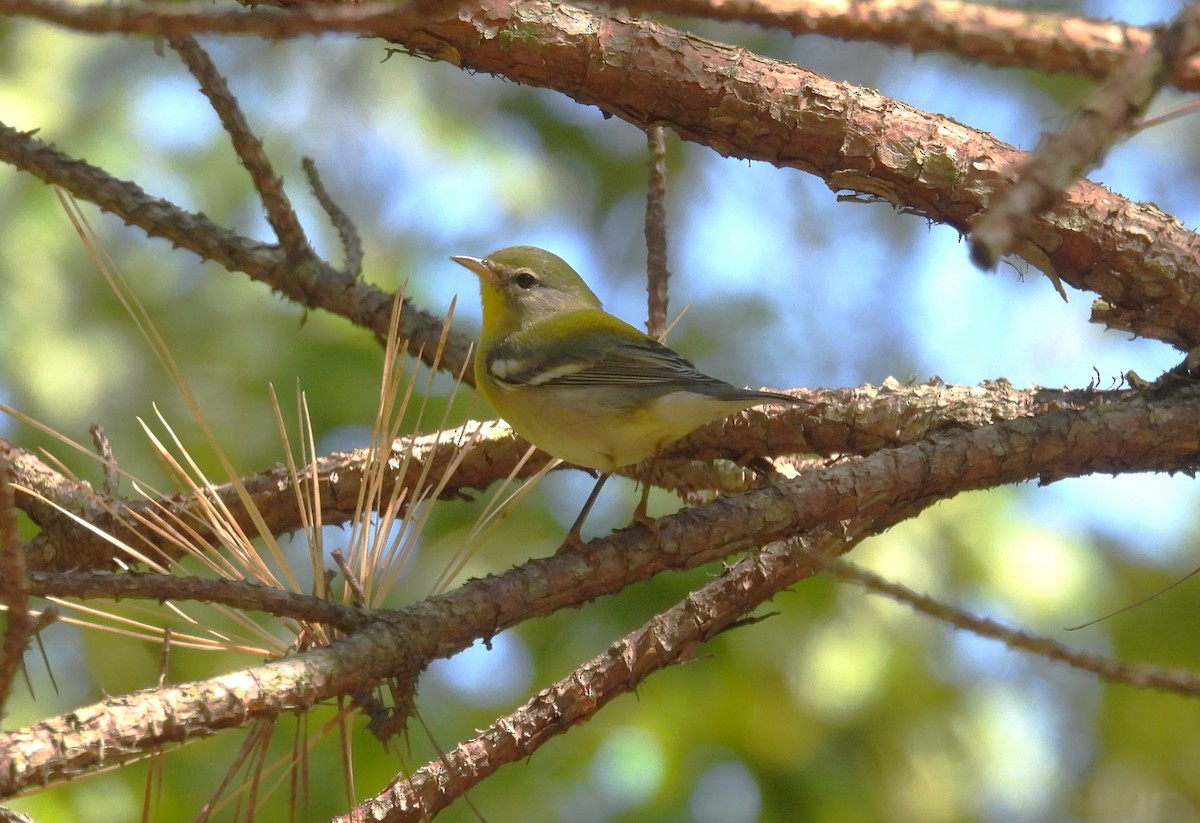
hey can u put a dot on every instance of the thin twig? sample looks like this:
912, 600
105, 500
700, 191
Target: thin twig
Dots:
249, 149
1144, 677
352, 249
164, 659
245, 595
112, 476
657, 274
1042, 179
356, 590
310, 283
1173, 113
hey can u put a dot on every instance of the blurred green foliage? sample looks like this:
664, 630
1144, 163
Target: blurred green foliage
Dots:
838, 707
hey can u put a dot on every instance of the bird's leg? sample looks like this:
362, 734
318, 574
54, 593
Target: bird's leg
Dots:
639, 514
573, 540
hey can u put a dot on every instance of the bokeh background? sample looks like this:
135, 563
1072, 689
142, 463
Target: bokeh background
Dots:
842, 707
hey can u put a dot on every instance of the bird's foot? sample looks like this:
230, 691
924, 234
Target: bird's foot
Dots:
650, 524
641, 518
572, 543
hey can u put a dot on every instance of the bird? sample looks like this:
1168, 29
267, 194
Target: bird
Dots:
580, 383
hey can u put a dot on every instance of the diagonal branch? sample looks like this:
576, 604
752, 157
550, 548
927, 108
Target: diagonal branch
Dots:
669, 638
249, 149
1138, 433
1137, 258
310, 283
1062, 158
841, 421
123, 728
1145, 677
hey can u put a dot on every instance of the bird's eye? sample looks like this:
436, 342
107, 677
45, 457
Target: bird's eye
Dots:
525, 279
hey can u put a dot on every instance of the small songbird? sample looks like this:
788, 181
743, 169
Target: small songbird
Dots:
578, 382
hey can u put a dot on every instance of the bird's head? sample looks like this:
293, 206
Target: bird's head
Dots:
521, 285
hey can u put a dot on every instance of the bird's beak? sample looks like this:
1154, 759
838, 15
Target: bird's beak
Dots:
480, 267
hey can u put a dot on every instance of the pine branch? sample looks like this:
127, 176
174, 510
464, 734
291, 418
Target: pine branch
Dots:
249, 149
838, 421
1060, 159
311, 283
1048, 40
1134, 256
878, 490
245, 595
670, 638
995, 35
